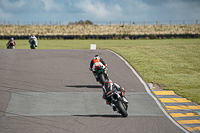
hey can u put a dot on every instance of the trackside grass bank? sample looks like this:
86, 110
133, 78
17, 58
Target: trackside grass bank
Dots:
174, 64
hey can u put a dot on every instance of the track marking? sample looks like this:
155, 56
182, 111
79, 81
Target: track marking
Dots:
164, 93
184, 111
183, 114
192, 128
172, 100
188, 121
181, 107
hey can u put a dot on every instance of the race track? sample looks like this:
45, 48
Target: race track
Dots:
53, 91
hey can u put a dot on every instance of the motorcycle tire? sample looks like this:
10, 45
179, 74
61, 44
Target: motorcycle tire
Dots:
10, 47
33, 47
121, 109
101, 79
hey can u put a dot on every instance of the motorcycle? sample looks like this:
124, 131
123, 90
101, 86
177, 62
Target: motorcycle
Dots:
33, 44
121, 103
11, 45
101, 73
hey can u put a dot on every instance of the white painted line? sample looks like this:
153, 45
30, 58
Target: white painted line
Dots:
150, 93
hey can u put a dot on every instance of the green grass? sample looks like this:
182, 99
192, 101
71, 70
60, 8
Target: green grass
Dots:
172, 63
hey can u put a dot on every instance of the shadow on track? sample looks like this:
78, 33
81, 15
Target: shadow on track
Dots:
84, 86
111, 116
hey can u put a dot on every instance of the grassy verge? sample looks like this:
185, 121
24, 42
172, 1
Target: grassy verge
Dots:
173, 63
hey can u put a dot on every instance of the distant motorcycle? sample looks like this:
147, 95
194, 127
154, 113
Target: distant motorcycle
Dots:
121, 103
101, 73
33, 44
11, 45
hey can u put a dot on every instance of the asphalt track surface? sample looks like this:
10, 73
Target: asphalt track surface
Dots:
53, 91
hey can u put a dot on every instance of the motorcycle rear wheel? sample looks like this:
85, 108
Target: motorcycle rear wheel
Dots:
101, 79
121, 109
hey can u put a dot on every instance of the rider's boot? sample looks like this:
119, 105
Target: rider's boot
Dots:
106, 74
97, 79
96, 76
112, 105
125, 100
104, 96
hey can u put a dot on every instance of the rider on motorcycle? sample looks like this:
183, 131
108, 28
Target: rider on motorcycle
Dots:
33, 37
96, 61
109, 85
11, 41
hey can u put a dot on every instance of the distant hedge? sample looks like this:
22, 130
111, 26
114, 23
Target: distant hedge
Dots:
81, 22
83, 37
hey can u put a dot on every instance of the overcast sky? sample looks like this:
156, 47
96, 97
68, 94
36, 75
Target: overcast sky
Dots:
100, 10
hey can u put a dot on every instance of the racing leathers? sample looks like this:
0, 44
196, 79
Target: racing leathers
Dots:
33, 38
11, 42
109, 85
96, 62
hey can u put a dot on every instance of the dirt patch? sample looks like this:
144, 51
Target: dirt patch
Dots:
154, 86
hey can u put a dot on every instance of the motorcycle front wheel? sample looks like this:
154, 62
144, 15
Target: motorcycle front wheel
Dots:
11, 47
121, 109
32, 46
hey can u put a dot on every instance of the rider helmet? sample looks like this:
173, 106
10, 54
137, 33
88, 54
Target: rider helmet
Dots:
11, 39
96, 57
108, 85
32, 36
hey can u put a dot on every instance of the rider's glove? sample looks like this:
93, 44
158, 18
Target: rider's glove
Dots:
106, 67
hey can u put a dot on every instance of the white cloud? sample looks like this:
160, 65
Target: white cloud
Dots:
69, 2
99, 10
15, 4
166, 10
180, 10
141, 5
5, 16
133, 10
50, 5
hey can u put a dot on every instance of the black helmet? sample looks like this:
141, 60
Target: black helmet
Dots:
11, 39
96, 57
108, 85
